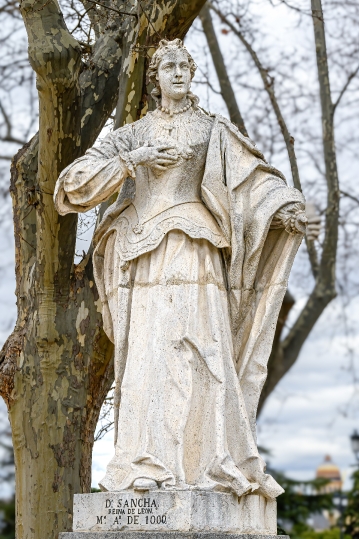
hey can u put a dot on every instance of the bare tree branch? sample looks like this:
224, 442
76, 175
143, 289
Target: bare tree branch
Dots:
285, 353
208, 83
345, 87
104, 430
268, 83
221, 70
15, 140
290, 6
348, 195
324, 290
79, 24
9, 137
10, 7
7, 120
119, 12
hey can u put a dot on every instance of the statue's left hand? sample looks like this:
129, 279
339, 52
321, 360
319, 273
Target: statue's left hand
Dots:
299, 223
293, 218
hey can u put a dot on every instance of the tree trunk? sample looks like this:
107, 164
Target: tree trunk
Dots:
56, 368
221, 70
58, 332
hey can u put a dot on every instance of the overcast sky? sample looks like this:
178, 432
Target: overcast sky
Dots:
314, 409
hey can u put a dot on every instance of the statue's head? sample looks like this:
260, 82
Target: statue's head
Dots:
171, 70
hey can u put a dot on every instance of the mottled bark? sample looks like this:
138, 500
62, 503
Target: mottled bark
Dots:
56, 367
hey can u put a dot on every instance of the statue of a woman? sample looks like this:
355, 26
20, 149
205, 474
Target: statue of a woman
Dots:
191, 270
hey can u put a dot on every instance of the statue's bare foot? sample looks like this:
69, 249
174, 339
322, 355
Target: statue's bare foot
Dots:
142, 483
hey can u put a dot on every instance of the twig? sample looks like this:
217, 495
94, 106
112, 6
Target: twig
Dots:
324, 291
7, 121
9, 137
87, 48
348, 195
14, 140
268, 83
345, 87
294, 8
80, 19
221, 70
103, 430
207, 82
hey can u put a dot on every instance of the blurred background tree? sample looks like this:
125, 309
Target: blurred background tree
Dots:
351, 514
299, 502
7, 481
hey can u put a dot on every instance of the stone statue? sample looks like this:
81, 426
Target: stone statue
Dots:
191, 263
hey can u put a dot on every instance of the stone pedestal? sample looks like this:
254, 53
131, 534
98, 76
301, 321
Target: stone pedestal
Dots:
164, 535
163, 513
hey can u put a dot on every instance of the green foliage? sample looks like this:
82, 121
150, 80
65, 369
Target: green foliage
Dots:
7, 474
351, 515
300, 500
7, 519
334, 533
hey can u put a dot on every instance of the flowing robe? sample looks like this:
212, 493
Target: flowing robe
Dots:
191, 283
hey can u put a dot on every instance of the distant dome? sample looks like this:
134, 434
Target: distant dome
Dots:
329, 470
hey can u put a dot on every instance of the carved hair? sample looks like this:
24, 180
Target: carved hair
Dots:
164, 47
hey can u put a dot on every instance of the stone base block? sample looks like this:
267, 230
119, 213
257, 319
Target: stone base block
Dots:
164, 535
173, 511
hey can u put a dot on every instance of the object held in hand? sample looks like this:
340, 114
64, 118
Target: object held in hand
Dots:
314, 222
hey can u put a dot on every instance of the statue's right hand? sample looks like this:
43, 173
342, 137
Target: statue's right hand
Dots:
156, 156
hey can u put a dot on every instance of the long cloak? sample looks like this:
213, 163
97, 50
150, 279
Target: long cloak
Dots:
243, 192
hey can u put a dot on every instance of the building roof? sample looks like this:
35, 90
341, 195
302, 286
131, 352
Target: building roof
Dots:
328, 470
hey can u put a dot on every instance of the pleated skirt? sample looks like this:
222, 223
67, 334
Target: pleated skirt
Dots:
180, 414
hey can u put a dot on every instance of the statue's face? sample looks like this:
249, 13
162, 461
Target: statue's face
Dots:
174, 75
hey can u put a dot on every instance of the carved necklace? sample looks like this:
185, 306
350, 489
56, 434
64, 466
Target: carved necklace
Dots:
172, 112
181, 122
